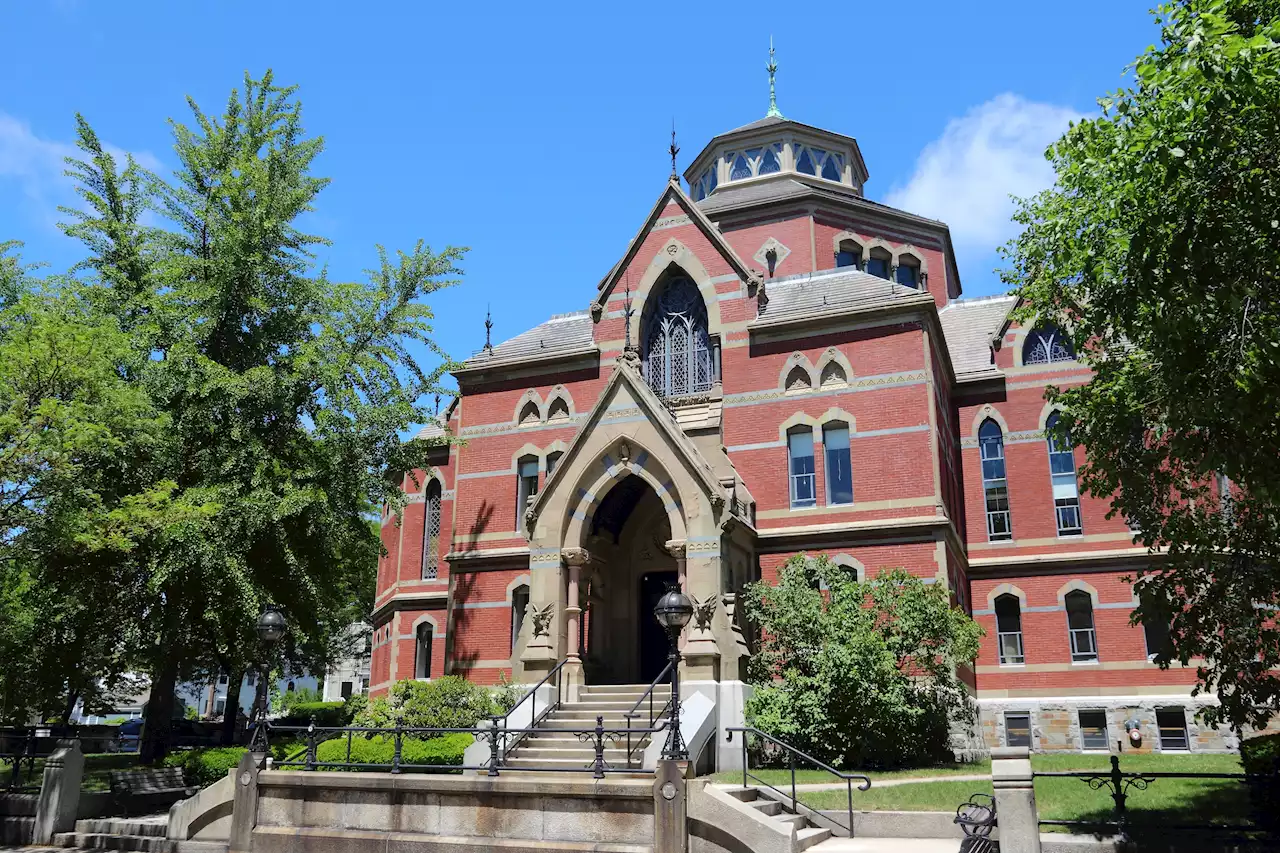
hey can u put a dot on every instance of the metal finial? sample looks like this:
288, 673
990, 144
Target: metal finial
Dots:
772, 68
674, 149
488, 328
437, 405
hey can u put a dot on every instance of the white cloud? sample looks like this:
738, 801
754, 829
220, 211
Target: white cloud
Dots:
36, 165
965, 177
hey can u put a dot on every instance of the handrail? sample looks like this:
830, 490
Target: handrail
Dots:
792, 754
648, 694
532, 696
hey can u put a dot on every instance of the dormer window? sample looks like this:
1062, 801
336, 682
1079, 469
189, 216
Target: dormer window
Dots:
878, 263
907, 273
849, 255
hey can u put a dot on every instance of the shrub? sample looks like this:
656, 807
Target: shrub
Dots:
506, 694
868, 668
327, 714
202, 767
356, 703
446, 750
445, 703
1260, 757
290, 700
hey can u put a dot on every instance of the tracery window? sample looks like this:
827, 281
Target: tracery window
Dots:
754, 162
1046, 345
431, 531
816, 161
705, 184
677, 358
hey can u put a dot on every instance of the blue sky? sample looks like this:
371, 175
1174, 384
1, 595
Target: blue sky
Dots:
536, 134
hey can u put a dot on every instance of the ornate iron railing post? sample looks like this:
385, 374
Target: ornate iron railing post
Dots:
311, 744
495, 745
395, 758
598, 764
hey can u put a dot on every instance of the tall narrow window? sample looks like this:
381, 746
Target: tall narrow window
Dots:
677, 356
1062, 472
422, 652
849, 255
1046, 345
526, 484
519, 606
994, 485
907, 272
431, 531
1084, 642
1158, 641
835, 443
800, 451
1009, 629
878, 263
553, 459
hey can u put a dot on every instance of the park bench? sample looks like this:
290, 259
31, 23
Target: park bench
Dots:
148, 789
976, 819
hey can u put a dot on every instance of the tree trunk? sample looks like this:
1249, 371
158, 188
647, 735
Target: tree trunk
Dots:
72, 696
157, 724
232, 710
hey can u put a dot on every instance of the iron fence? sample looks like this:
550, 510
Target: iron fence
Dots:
497, 735
1118, 785
18, 751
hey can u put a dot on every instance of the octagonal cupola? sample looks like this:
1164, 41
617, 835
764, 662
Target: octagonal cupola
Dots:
776, 147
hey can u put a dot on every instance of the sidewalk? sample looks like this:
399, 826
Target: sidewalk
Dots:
887, 845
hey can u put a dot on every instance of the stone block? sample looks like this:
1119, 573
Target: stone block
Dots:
279, 807
621, 821
417, 811
323, 809
367, 810
491, 816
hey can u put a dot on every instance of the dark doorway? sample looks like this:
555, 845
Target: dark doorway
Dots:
654, 646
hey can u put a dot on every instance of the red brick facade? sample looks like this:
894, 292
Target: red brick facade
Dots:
916, 372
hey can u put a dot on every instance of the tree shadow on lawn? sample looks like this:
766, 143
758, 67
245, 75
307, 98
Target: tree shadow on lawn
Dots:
1157, 818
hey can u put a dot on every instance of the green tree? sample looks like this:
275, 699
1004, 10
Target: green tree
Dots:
868, 669
286, 392
1159, 250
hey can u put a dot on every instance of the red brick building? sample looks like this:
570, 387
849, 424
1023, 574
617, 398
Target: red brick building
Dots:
776, 365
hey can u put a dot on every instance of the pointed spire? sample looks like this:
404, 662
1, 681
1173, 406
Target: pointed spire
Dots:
673, 150
627, 312
772, 68
437, 405
488, 328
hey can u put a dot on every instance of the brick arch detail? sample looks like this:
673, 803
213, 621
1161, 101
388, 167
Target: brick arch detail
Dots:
800, 360
1006, 589
988, 411
677, 254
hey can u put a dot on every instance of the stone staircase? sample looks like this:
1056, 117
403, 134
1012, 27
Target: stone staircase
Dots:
807, 834
556, 743
138, 835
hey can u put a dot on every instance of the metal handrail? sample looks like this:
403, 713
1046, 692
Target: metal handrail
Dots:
532, 696
648, 694
792, 755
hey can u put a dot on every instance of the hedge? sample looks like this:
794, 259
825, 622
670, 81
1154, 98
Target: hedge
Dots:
203, 767
327, 714
445, 750
1260, 757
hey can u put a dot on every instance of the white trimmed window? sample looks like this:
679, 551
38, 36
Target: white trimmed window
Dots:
835, 446
526, 484
1062, 475
995, 487
431, 531
1084, 640
422, 651
800, 455
1009, 629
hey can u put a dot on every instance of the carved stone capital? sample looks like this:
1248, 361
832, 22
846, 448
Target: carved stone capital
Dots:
576, 556
597, 311
675, 547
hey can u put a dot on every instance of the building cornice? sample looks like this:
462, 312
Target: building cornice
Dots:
1019, 564
925, 528
522, 367
410, 601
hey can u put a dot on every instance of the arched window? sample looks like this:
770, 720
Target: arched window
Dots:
553, 459
833, 374
558, 410
422, 651
907, 272
677, 358
519, 606
1046, 345
798, 380
1009, 629
849, 254
1084, 642
431, 531
529, 414
526, 484
1062, 474
994, 485
878, 263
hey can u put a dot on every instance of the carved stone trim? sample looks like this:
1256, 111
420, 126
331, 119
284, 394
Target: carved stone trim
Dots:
576, 556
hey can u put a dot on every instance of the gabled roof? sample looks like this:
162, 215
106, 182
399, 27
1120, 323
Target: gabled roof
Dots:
813, 294
673, 193
625, 374
969, 325
563, 334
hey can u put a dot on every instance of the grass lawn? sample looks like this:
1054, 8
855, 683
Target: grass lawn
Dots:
1166, 801
96, 767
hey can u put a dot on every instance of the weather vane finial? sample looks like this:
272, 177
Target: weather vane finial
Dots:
627, 312
674, 149
488, 327
772, 68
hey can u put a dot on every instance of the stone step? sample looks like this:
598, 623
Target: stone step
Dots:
155, 827
270, 837
806, 838
745, 795
520, 762
606, 705
610, 755
551, 739
105, 841
796, 820
768, 807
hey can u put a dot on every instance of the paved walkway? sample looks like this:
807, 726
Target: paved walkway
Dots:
875, 783
887, 845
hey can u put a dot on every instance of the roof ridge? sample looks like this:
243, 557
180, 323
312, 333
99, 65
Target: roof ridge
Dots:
973, 300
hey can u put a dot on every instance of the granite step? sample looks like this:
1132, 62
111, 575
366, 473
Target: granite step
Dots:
106, 841
145, 826
807, 838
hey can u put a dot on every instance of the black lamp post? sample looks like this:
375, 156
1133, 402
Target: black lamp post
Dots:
271, 628
673, 612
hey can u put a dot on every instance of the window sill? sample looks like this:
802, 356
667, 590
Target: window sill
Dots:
1077, 535
1093, 662
1022, 665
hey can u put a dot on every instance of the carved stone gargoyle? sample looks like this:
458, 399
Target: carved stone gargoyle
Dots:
542, 620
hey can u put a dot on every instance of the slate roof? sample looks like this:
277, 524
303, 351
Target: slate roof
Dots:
969, 325
563, 334
433, 429
796, 296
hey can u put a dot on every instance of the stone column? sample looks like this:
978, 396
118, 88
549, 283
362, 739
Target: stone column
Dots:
676, 548
59, 793
574, 675
670, 808
1015, 799
244, 803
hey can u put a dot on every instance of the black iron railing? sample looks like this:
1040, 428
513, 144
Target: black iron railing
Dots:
793, 755
1118, 784
635, 713
496, 734
556, 675
17, 752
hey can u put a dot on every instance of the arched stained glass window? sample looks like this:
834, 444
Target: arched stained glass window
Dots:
741, 169
677, 358
804, 163
831, 169
431, 531
770, 163
1045, 345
